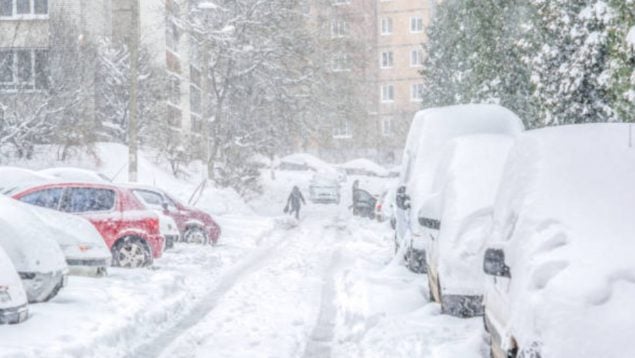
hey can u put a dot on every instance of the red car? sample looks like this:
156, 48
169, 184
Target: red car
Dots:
130, 230
195, 226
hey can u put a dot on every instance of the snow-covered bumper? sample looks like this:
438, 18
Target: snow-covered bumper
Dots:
462, 305
14, 315
86, 259
39, 287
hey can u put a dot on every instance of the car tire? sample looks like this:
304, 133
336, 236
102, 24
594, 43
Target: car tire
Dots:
55, 290
131, 252
196, 235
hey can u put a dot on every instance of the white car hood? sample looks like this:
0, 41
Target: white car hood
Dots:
28, 240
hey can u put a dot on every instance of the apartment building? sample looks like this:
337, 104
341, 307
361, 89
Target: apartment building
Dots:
381, 54
401, 28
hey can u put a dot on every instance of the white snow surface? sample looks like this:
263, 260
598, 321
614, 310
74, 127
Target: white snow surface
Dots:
75, 174
28, 240
564, 218
10, 283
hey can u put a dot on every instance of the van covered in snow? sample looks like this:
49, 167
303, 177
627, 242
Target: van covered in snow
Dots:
560, 250
431, 130
456, 216
13, 303
36, 256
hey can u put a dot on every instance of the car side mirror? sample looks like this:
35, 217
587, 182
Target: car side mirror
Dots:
430, 212
164, 205
494, 263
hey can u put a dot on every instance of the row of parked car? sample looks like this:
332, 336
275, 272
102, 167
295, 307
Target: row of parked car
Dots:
72, 221
532, 229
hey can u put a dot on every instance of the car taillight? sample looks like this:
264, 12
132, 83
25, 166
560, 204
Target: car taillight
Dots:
378, 206
153, 226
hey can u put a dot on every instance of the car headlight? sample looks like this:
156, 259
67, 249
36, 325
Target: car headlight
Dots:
5, 296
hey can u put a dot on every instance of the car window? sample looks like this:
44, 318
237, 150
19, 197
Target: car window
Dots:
80, 200
47, 198
171, 204
150, 198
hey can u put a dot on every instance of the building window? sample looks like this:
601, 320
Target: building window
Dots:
340, 63
174, 95
386, 126
386, 59
342, 129
172, 36
174, 116
195, 100
24, 69
388, 93
416, 92
339, 28
386, 25
23, 8
416, 57
416, 24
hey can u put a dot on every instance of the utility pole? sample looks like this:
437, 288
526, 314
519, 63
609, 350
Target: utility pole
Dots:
205, 107
133, 45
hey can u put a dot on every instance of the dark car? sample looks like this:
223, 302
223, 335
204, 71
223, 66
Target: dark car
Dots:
364, 204
195, 225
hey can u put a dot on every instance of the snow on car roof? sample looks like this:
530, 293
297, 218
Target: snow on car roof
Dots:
434, 128
27, 240
307, 159
567, 200
13, 178
365, 164
75, 174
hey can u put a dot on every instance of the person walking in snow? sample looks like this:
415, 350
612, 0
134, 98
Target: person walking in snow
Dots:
294, 202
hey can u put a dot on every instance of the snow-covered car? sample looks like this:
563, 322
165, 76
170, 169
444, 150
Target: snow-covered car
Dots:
303, 161
83, 247
194, 225
76, 174
364, 203
36, 256
455, 217
561, 246
13, 301
324, 189
155, 201
131, 232
385, 207
429, 132
364, 167
13, 179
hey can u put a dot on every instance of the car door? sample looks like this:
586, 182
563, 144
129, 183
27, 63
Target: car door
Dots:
98, 205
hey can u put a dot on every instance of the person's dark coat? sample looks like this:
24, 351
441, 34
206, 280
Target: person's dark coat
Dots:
295, 201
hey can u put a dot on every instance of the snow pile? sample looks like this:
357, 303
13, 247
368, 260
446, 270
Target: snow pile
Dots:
13, 179
11, 291
382, 311
364, 167
564, 217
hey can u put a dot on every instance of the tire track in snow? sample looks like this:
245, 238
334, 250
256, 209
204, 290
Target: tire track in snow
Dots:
320, 342
157, 345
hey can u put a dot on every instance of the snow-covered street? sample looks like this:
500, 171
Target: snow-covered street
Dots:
321, 287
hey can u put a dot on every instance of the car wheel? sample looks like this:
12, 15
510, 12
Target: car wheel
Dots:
131, 252
196, 235
55, 290
414, 263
